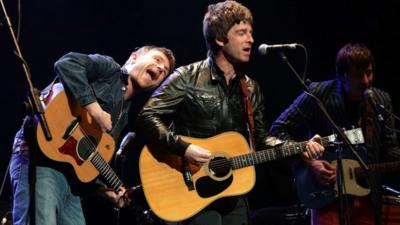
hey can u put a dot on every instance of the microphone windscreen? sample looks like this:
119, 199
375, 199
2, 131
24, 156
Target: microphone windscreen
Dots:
263, 49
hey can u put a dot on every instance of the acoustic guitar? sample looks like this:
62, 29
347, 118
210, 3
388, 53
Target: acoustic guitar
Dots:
176, 190
76, 141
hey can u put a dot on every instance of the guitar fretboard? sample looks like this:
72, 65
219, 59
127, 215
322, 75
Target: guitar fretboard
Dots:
278, 152
106, 171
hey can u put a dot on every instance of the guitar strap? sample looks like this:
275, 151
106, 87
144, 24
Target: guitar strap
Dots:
367, 122
249, 110
369, 128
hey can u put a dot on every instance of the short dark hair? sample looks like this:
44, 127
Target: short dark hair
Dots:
353, 55
167, 52
220, 17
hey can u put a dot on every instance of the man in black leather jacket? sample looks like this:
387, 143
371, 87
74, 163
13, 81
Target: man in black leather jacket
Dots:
205, 98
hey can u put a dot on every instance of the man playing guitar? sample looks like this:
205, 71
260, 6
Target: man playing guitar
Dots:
103, 90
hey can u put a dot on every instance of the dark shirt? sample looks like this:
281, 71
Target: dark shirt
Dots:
304, 119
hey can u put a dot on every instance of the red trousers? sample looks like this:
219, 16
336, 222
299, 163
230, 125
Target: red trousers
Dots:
361, 212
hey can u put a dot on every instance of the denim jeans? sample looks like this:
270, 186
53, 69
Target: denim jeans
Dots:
20, 184
19, 169
54, 202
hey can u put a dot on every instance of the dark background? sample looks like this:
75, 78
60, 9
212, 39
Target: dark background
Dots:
51, 28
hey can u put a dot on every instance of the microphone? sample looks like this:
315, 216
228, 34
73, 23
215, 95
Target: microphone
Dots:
264, 48
125, 141
391, 190
370, 97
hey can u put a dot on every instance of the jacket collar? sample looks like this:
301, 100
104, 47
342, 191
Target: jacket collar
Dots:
217, 74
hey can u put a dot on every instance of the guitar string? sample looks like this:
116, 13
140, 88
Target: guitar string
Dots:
265, 155
103, 164
249, 159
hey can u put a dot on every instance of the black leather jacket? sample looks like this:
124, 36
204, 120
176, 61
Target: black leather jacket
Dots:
200, 104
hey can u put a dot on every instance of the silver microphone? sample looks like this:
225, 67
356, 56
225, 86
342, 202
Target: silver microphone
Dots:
263, 49
369, 94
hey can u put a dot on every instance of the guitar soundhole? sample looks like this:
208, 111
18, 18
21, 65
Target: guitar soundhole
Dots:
207, 187
219, 167
86, 146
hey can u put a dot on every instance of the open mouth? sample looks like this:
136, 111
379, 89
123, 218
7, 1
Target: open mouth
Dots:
247, 50
152, 74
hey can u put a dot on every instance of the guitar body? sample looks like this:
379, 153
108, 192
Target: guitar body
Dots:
162, 177
74, 138
350, 178
310, 192
314, 195
176, 190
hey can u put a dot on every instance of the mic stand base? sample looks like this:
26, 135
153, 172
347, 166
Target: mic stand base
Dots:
120, 172
340, 185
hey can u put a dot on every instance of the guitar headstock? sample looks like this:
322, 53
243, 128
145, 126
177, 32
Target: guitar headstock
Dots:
355, 136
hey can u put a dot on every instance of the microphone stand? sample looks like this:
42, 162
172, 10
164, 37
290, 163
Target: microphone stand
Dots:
340, 134
35, 107
391, 190
119, 163
340, 185
389, 112
33, 98
393, 129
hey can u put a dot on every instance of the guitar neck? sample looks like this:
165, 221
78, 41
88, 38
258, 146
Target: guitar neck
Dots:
378, 167
271, 154
106, 171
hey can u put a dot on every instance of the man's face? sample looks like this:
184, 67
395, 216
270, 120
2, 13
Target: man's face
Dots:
356, 82
149, 69
237, 47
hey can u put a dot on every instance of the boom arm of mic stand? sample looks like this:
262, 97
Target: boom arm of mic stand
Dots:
33, 96
393, 129
389, 112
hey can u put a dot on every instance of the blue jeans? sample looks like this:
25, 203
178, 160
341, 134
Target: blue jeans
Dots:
20, 185
19, 169
54, 202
